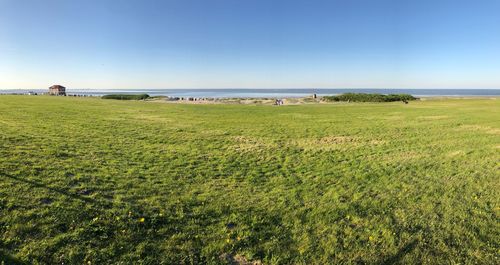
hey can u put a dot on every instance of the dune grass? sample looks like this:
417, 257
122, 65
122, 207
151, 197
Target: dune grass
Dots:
126, 96
367, 97
92, 181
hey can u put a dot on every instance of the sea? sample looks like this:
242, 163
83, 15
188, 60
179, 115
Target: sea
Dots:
268, 93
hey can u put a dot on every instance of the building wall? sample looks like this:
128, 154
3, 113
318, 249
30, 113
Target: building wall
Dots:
56, 91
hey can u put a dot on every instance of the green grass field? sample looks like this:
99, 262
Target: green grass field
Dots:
91, 181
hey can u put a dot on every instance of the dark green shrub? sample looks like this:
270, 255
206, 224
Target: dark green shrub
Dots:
126, 96
365, 97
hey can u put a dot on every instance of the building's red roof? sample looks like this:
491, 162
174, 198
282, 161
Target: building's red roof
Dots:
57, 87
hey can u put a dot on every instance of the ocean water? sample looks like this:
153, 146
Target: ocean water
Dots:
269, 93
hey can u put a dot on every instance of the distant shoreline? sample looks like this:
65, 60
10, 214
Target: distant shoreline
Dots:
301, 101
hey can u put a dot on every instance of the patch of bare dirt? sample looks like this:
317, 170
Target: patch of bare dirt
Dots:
455, 153
435, 117
480, 128
247, 143
238, 260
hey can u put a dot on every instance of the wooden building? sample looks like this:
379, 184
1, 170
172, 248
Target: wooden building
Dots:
57, 90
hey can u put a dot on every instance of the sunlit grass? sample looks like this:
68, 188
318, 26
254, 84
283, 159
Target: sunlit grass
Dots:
88, 180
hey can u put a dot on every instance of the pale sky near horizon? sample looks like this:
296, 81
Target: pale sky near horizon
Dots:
250, 44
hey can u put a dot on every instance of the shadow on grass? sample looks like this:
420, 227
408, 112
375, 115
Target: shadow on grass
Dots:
8, 259
60, 191
395, 259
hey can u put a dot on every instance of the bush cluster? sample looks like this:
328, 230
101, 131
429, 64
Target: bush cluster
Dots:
364, 97
126, 96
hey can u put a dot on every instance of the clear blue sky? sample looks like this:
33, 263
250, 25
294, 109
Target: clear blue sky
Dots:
250, 43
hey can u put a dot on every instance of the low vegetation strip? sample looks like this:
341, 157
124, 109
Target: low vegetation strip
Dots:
90, 181
365, 97
126, 96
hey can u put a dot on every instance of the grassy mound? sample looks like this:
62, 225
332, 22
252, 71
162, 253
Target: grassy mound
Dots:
126, 96
365, 97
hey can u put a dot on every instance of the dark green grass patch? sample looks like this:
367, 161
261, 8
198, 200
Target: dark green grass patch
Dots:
367, 97
89, 181
126, 96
